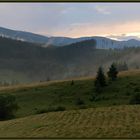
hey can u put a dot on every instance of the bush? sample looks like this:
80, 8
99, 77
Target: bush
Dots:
135, 99
137, 89
8, 106
97, 99
127, 93
40, 111
93, 98
82, 107
79, 102
60, 108
50, 109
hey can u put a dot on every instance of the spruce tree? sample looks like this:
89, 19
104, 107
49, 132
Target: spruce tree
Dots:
100, 80
112, 73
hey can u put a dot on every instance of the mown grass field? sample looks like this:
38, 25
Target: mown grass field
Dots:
44, 96
102, 122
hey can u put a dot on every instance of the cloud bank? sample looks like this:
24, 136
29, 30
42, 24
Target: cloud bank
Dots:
73, 19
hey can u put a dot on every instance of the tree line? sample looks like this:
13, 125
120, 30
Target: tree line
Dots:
101, 81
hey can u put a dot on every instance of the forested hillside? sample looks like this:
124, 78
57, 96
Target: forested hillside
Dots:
27, 62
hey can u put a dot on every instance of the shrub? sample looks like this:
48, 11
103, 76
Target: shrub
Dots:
60, 108
97, 99
135, 99
79, 102
133, 84
137, 89
8, 106
40, 111
82, 107
127, 93
94, 96
50, 109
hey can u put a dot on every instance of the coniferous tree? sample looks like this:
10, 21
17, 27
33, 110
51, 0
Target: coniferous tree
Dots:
100, 80
112, 73
72, 82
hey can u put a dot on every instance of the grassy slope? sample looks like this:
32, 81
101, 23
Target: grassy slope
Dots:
107, 120
119, 121
43, 96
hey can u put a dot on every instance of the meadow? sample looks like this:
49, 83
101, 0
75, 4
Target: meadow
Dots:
43, 97
71, 109
103, 122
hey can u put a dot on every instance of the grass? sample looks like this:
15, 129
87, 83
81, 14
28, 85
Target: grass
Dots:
44, 96
72, 112
103, 122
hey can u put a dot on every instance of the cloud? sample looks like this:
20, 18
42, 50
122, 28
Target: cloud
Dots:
127, 36
102, 10
33, 17
72, 19
91, 29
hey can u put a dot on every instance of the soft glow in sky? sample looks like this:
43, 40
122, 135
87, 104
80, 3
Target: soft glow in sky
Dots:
115, 20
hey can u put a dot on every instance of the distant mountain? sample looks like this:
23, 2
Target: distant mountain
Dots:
35, 38
91, 43
27, 62
23, 36
106, 43
101, 42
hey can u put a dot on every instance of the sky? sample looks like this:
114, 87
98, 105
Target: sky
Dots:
115, 20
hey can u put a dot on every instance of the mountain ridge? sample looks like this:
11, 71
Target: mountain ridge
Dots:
101, 42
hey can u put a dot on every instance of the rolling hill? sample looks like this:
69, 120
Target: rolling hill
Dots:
109, 116
104, 122
45, 97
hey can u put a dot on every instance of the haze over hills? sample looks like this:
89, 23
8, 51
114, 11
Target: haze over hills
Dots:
29, 62
101, 42
28, 57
